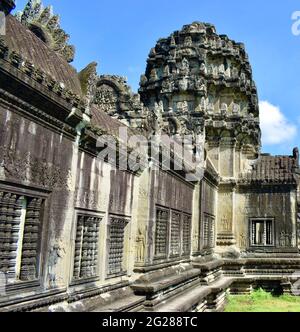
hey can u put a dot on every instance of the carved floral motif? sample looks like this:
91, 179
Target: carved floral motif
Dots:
25, 168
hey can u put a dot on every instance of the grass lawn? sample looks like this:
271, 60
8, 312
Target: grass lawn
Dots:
261, 301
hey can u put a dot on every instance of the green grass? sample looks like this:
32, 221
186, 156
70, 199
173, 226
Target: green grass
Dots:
261, 301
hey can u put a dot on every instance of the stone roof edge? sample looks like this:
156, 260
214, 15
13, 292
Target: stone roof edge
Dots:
26, 67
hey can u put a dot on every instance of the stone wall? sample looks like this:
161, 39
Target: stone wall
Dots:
72, 227
278, 204
38, 162
171, 195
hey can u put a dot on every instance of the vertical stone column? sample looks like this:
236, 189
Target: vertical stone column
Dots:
142, 255
298, 215
213, 151
226, 198
196, 221
227, 157
238, 159
226, 217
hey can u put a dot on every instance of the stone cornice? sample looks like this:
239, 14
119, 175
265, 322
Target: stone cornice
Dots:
33, 113
266, 187
23, 69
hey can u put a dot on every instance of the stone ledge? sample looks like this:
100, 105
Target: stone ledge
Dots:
127, 303
192, 298
208, 266
163, 280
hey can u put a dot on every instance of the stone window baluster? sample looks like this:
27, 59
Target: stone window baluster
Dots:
116, 245
4, 234
262, 232
253, 234
19, 236
186, 235
78, 247
29, 262
86, 247
209, 232
13, 224
206, 232
161, 234
175, 234
212, 233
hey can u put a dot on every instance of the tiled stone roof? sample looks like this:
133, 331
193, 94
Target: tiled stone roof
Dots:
106, 123
24, 42
269, 169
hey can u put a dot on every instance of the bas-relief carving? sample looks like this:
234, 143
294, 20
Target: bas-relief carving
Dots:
226, 224
107, 99
56, 253
182, 106
185, 67
187, 94
25, 168
90, 199
287, 239
140, 246
196, 241
143, 193
243, 241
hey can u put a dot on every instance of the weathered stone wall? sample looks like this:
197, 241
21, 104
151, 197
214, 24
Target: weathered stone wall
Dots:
73, 228
208, 215
105, 192
278, 204
40, 162
170, 193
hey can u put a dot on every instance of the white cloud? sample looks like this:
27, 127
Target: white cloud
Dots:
276, 129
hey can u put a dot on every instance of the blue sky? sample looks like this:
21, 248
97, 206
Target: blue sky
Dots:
118, 34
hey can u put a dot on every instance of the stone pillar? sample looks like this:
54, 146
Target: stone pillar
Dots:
225, 217
298, 225
142, 255
196, 221
227, 157
213, 153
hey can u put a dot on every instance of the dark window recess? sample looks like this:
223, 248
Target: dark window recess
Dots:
172, 234
209, 232
20, 221
262, 232
175, 234
161, 234
116, 245
86, 247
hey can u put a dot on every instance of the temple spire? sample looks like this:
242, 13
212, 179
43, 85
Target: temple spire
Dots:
7, 6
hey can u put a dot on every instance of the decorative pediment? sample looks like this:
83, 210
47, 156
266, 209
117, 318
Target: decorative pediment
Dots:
46, 26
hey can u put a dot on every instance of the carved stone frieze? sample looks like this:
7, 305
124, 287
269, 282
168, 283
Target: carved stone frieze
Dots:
25, 168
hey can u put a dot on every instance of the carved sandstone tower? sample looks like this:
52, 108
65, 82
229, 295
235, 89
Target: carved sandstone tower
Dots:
201, 82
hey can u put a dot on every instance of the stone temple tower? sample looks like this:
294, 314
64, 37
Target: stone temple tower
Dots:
201, 82
80, 232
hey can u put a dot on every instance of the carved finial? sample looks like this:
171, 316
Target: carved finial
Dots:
173, 41
7, 6
45, 25
88, 79
296, 155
